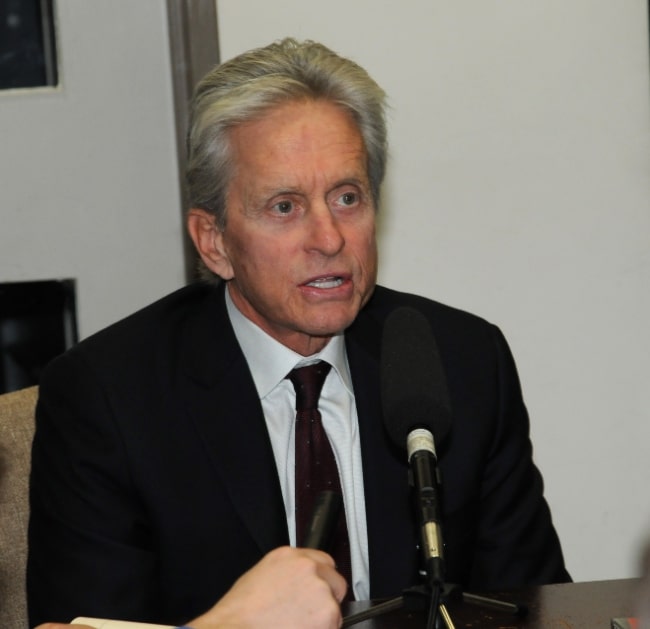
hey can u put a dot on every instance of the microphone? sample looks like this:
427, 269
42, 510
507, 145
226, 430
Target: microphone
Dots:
416, 407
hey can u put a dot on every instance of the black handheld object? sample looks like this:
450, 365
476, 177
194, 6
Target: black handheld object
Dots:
323, 521
417, 414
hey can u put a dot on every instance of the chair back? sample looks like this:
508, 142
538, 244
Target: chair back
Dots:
16, 432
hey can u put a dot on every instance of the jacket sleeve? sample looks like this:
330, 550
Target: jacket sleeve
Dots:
88, 540
516, 543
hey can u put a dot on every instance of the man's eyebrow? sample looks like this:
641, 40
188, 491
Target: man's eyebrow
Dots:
362, 183
264, 194
357, 181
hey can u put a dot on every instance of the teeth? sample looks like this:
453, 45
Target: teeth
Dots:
326, 282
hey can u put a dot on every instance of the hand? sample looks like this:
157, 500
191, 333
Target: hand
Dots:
292, 588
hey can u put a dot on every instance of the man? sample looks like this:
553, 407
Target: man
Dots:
163, 461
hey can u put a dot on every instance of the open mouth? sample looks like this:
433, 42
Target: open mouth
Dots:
326, 282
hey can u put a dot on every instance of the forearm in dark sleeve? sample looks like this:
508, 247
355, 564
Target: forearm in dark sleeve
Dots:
89, 547
517, 543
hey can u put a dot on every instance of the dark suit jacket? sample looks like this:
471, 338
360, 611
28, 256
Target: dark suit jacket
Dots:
154, 484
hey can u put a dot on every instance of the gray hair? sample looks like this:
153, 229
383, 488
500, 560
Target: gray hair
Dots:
243, 88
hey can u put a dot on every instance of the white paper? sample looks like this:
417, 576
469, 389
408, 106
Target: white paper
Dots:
105, 623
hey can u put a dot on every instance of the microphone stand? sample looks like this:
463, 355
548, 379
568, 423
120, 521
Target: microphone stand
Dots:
436, 597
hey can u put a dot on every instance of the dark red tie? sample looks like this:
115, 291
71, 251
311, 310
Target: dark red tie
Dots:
316, 469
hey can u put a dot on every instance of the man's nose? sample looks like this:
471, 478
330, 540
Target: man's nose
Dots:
325, 234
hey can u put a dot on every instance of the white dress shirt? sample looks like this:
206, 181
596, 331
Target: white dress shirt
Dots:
270, 362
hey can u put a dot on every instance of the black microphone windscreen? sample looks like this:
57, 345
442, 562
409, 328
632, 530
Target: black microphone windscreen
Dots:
413, 382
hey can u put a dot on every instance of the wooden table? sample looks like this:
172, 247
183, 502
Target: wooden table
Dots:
567, 606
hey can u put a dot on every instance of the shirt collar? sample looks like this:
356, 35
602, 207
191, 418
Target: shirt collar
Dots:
269, 361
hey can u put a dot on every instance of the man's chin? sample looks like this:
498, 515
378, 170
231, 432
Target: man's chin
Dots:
325, 324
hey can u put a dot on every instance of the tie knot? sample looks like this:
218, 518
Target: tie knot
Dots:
308, 382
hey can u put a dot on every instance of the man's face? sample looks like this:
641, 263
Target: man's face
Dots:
299, 243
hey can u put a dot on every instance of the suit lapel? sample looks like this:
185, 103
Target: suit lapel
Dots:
222, 403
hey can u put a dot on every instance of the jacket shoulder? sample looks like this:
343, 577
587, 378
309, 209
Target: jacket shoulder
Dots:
385, 300
150, 331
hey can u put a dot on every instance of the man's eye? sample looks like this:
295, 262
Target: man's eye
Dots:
283, 207
349, 198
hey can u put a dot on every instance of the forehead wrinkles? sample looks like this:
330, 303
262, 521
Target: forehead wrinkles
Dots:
296, 147
253, 147
301, 171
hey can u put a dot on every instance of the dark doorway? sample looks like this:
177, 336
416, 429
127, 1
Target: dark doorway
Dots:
38, 321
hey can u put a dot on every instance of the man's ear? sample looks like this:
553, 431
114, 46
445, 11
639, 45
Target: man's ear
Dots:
208, 240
